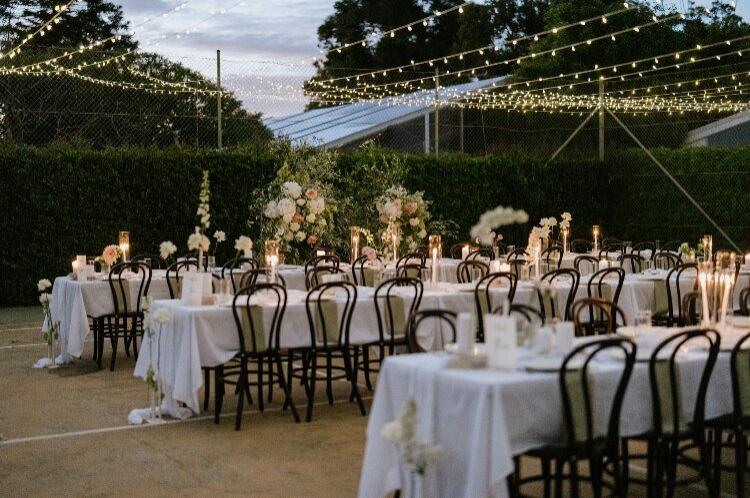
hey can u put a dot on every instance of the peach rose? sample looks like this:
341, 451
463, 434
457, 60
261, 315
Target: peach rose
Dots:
312, 239
311, 193
298, 218
411, 208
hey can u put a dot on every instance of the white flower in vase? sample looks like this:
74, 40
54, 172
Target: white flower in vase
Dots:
220, 236
243, 244
43, 285
500, 216
167, 249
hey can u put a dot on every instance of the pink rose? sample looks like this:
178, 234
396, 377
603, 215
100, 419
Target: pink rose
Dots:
411, 208
312, 239
298, 218
311, 193
371, 253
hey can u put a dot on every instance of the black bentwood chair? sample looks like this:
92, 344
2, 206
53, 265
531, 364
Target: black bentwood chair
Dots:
586, 264
583, 439
127, 320
329, 338
581, 246
483, 298
635, 263
154, 261
601, 317
358, 270
548, 302
174, 276
605, 284
672, 433
478, 254
234, 269
470, 270
444, 317
256, 346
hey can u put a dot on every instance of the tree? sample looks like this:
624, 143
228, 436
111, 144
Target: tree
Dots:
95, 105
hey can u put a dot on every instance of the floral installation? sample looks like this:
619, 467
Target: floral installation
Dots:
545, 231
243, 245
53, 328
152, 322
110, 255
167, 250
407, 211
299, 217
198, 242
416, 454
204, 207
494, 218
565, 220
691, 252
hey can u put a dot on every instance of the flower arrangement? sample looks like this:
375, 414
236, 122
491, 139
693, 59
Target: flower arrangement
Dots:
220, 237
111, 255
566, 218
53, 328
415, 454
243, 245
490, 220
689, 252
204, 208
152, 322
400, 211
300, 216
167, 250
198, 242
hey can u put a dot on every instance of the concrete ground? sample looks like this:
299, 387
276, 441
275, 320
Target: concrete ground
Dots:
65, 432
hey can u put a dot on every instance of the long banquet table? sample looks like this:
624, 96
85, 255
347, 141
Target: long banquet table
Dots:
483, 418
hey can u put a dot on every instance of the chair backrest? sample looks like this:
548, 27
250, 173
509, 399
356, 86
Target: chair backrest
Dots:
666, 386
173, 276
412, 258
633, 262
445, 318
502, 247
677, 273
411, 270
587, 261
640, 248
484, 252
120, 286
524, 311
326, 260
153, 260
483, 299
456, 249
740, 371
358, 269
235, 269
258, 275
612, 242
602, 316
329, 313
666, 260
391, 309
251, 321
314, 274
471, 269
578, 399
581, 246
689, 314
744, 299
559, 275
553, 255
672, 245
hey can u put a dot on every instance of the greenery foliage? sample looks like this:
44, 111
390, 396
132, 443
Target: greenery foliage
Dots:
60, 201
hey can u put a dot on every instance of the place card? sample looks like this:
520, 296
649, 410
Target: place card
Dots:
565, 333
465, 332
500, 341
195, 285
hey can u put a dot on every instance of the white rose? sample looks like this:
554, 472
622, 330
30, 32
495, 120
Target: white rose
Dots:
422, 234
286, 207
392, 431
162, 315
413, 221
301, 202
317, 205
292, 189
45, 298
272, 210
287, 218
322, 222
310, 218
288, 236
43, 285
244, 244
294, 227
220, 236
300, 236
166, 249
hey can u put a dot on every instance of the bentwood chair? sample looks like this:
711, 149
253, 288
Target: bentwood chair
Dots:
606, 284
602, 317
673, 433
665, 260
358, 270
259, 275
679, 274
316, 275
528, 313
737, 423
548, 301
174, 276
644, 249
516, 259
329, 309
395, 300
690, 314
552, 257
235, 268
446, 319
412, 258
745, 301
411, 270
632, 263
586, 264
672, 245
328, 260
483, 295
126, 321
481, 253
256, 347
581, 246
581, 417
469, 270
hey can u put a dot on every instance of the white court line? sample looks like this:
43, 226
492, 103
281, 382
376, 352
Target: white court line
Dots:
29, 345
22, 329
119, 428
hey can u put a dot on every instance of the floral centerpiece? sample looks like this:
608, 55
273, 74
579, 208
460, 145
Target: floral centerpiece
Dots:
495, 218
110, 256
153, 323
198, 241
167, 250
52, 332
299, 217
244, 246
404, 217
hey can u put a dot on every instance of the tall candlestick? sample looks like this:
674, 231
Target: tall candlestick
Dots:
565, 240
537, 261
465, 252
125, 245
702, 278
727, 285
596, 237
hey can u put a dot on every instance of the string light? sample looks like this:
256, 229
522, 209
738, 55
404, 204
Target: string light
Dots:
40, 31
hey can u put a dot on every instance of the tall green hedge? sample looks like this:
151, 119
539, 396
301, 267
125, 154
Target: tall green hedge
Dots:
59, 201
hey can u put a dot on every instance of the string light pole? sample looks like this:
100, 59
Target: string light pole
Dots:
601, 120
437, 113
218, 99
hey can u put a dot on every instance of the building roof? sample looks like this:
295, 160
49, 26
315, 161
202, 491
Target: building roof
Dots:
702, 135
337, 126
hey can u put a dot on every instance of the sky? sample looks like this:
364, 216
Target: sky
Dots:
267, 46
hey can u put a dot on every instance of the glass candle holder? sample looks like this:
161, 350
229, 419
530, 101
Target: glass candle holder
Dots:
272, 251
435, 242
565, 233
597, 233
354, 239
125, 245
708, 247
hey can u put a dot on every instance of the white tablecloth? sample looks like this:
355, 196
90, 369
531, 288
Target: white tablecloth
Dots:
482, 418
73, 302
